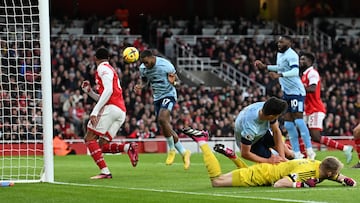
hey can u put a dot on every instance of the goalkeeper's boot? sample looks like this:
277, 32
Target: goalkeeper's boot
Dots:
186, 159
171, 156
196, 135
133, 153
356, 165
102, 176
348, 153
220, 148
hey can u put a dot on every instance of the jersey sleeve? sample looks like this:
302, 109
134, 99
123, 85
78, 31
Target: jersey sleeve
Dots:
247, 136
170, 67
313, 77
107, 77
293, 60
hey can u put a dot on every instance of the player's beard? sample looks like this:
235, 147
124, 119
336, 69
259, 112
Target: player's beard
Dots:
282, 49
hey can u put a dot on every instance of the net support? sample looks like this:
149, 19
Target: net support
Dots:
45, 57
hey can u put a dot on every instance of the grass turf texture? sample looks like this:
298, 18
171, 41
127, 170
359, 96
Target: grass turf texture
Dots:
153, 181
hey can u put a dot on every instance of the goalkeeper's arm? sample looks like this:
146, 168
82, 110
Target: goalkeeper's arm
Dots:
344, 180
287, 182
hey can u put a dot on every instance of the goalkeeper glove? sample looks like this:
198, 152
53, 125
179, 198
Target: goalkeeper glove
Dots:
349, 182
311, 182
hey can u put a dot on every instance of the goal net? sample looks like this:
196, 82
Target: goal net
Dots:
25, 92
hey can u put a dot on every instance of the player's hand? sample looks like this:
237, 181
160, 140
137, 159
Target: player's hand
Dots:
259, 64
349, 182
172, 78
86, 87
311, 182
275, 159
94, 120
274, 75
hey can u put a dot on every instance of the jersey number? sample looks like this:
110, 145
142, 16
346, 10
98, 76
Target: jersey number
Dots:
294, 103
165, 102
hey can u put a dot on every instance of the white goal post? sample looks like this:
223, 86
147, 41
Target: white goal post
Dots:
26, 128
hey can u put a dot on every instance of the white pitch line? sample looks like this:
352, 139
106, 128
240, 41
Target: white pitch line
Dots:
292, 190
191, 193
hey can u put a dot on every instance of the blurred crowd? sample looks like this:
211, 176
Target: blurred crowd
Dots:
213, 109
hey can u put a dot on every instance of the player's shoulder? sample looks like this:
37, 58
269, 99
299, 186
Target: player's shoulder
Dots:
256, 106
311, 71
104, 67
163, 61
292, 52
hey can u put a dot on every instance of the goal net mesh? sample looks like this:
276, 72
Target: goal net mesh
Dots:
21, 126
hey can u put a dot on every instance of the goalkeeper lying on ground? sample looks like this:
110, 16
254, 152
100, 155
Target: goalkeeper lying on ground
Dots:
295, 173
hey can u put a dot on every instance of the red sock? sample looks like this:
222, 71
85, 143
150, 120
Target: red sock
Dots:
357, 146
113, 148
302, 147
331, 143
96, 153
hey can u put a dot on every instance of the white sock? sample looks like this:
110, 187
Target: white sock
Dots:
309, 150
105, 170
126, 147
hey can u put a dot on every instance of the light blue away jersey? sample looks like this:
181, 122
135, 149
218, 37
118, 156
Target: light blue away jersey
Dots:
157, 76
248, 125
286, 61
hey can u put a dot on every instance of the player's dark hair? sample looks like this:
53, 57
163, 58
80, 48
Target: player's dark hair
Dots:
308, 55
287, 37
146, 53
274, 106
102, 53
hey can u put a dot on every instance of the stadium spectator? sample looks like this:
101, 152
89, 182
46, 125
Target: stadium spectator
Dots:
61, 148
160, 74
295, 173
256, 131
315, 111
107, 116
287, 71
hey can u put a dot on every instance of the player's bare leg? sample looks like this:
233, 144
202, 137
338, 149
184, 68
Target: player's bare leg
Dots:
172, 139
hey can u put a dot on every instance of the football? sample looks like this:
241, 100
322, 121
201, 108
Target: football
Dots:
130, 55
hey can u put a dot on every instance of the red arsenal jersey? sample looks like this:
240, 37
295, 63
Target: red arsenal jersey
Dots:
313, 102
116, 97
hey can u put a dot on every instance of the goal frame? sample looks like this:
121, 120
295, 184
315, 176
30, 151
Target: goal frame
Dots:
46, 173
45, 58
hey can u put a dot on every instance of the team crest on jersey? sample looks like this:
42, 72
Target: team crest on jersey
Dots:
104, 73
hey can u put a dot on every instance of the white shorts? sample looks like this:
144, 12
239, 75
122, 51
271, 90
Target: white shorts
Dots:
315, 120
111, 119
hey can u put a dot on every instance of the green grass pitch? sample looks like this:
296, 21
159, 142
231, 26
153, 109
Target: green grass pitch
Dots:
153, 181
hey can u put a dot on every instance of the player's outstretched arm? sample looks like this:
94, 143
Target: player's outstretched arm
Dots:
259, 64
346, 181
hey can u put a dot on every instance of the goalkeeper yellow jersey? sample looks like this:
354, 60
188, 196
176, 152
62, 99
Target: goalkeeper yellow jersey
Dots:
268, 174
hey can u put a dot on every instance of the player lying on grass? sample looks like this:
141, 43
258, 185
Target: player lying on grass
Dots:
257, 134
295, 173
